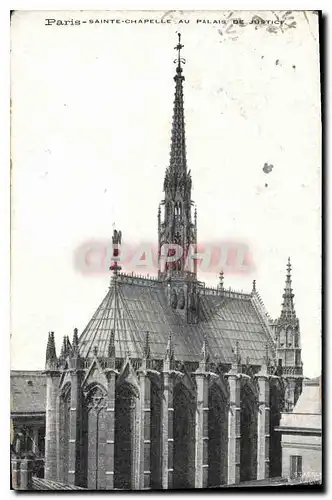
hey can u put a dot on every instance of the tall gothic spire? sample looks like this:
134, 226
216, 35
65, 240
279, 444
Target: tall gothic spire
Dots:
178, 145
175, 225
287, 308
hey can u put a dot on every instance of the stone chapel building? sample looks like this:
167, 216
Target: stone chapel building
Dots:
172, 384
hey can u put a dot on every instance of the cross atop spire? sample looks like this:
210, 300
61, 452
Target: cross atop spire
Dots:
180, 59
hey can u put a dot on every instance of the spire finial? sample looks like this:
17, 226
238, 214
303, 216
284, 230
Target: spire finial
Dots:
75, 339
221, 279
254, 286
52, 346
178, 48
289, 268
69, 346
169, 349
63, 348
288, 310
116, 242
48, 346
51, 357
146, 350
236, 367
204, 352
111, 345
237, 356
266, 357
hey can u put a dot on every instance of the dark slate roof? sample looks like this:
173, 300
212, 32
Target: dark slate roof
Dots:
28, 391
47, 484
136, 306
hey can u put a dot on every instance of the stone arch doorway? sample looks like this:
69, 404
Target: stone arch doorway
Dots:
65, 403
218, 437
275, 436
248, 432
124, 446
183, 438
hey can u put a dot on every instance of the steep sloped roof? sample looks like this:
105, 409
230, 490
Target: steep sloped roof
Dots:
134, 306
28, 391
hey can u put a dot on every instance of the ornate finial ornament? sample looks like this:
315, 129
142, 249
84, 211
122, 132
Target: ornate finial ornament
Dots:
289, 267
52, 346
204, 352
116, 238
146, 350
287, 308
254, 286
221, 279
75, 340
179, 59
237, 356
63, 349
68, 345
116, 242
111, 345
266, 359
48, 347
169, 348
51, 357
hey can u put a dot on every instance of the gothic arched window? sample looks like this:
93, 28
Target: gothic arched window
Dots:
124, 446
96, 434
282, 337
248, 432
218, 436
289, 337
65, 404
296, 339
183, 437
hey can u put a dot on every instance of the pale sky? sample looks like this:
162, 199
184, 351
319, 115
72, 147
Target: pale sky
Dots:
91, 118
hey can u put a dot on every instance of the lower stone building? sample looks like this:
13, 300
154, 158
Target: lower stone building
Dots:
301, 432
28, 404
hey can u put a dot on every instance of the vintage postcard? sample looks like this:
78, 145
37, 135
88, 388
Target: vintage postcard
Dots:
166, 250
